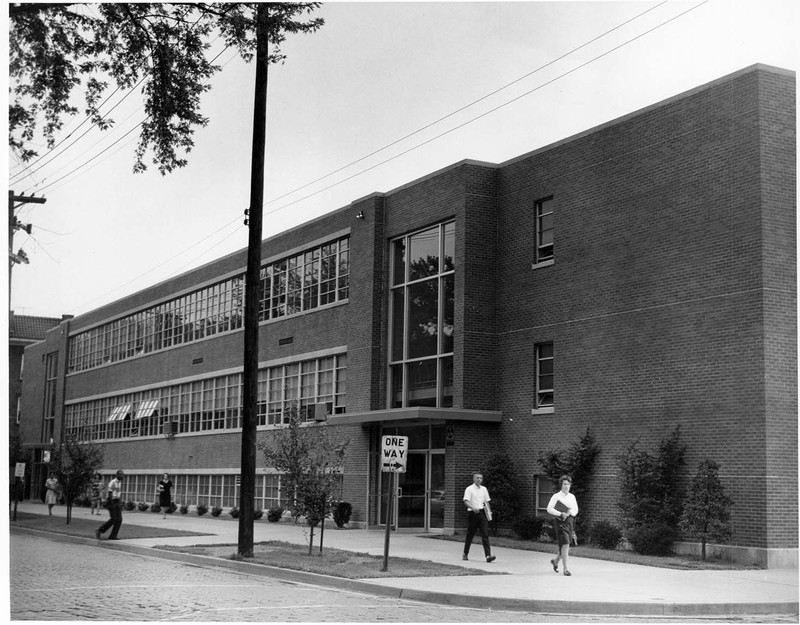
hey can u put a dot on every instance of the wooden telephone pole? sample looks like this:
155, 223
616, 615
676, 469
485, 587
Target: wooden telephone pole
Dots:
14, 202
252, 289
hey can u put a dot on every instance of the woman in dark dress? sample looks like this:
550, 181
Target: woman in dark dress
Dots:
165, 494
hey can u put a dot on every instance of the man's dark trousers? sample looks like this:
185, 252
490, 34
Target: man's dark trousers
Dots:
115, 520
477, 520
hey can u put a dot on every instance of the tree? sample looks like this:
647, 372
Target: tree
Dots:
74, 464
311, 461
650, 496
706, 513
56, 50
500, 478
577, 462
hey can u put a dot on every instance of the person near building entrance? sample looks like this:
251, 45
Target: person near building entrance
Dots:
51, 497
564, 507
164, 494
479, 513
114, 509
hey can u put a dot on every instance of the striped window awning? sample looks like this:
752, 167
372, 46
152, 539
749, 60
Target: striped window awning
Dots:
120, 412
146, 408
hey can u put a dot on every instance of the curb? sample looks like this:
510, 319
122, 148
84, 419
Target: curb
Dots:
543, 606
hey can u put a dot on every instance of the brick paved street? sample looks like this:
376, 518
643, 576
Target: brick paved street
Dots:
61, 581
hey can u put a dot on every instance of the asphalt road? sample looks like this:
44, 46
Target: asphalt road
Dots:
60, 581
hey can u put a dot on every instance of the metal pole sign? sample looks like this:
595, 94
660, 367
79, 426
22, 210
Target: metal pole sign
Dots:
394, 453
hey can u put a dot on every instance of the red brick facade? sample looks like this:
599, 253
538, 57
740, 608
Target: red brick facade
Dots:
671, 300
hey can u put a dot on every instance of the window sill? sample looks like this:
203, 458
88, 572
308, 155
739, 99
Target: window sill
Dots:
548, 410
544, 263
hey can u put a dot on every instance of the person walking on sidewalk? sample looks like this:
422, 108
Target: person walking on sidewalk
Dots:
479, 513
51, 497
114, 509
164, 494
564, 507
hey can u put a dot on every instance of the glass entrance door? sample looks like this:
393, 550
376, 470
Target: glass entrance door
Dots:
412, 485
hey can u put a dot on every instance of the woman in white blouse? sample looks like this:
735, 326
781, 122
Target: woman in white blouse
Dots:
564, 506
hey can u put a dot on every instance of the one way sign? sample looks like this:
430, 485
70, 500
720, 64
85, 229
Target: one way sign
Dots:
394, 452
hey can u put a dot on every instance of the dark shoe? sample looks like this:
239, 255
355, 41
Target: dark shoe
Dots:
465, 557
491, 558
567, 573
98, 535
555, 565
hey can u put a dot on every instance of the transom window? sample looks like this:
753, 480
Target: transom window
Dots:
544, 230
421, 318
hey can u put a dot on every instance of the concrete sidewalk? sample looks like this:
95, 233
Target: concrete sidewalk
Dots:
595, 587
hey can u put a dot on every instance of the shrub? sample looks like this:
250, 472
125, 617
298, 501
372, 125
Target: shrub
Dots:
201, 509
155, 508
129, 505
143, 506
184, 508
341, 513
528, 526
605, 534
216, 511
258, 513
274, 514
652, 540
172, 508
234, 512
500, 477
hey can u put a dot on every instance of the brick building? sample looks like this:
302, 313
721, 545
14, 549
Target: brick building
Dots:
635, 277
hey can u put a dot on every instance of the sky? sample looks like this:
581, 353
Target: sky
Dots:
384, 93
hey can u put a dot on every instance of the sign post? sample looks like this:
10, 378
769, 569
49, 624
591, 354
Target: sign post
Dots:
393, 460
19, 473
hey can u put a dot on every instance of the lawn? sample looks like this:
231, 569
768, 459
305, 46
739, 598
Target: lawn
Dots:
81, 526
336, 562
686, 562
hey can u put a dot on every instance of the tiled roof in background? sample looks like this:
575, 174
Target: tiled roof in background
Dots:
30, 328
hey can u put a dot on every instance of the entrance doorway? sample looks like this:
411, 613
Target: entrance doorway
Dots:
420, 494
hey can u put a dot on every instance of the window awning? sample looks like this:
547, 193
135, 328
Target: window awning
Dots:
120, 412
416, 414
146, 408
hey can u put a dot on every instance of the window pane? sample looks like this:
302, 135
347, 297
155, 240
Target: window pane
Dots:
423, 256
399, 260
448, 325
423, 318
422, 383
398, 313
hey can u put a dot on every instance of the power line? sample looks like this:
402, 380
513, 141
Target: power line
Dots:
484, 114
466, 106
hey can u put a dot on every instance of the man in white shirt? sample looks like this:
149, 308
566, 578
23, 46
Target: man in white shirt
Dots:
114, 508
476, 498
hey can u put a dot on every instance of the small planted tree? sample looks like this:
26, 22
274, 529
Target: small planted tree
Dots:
651, 499
706, 511
500, 477
75, 464
311, 461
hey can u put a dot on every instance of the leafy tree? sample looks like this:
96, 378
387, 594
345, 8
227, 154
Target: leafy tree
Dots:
706, 513
577, 461
500, 477
311, 461
58, 50
650, 491
74, 464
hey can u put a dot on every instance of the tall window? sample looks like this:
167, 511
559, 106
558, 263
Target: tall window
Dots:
544, 490
51, 377
421, 318
544, 375
544, 230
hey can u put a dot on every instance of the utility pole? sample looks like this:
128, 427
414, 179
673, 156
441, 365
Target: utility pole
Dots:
14, 202
252, 288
